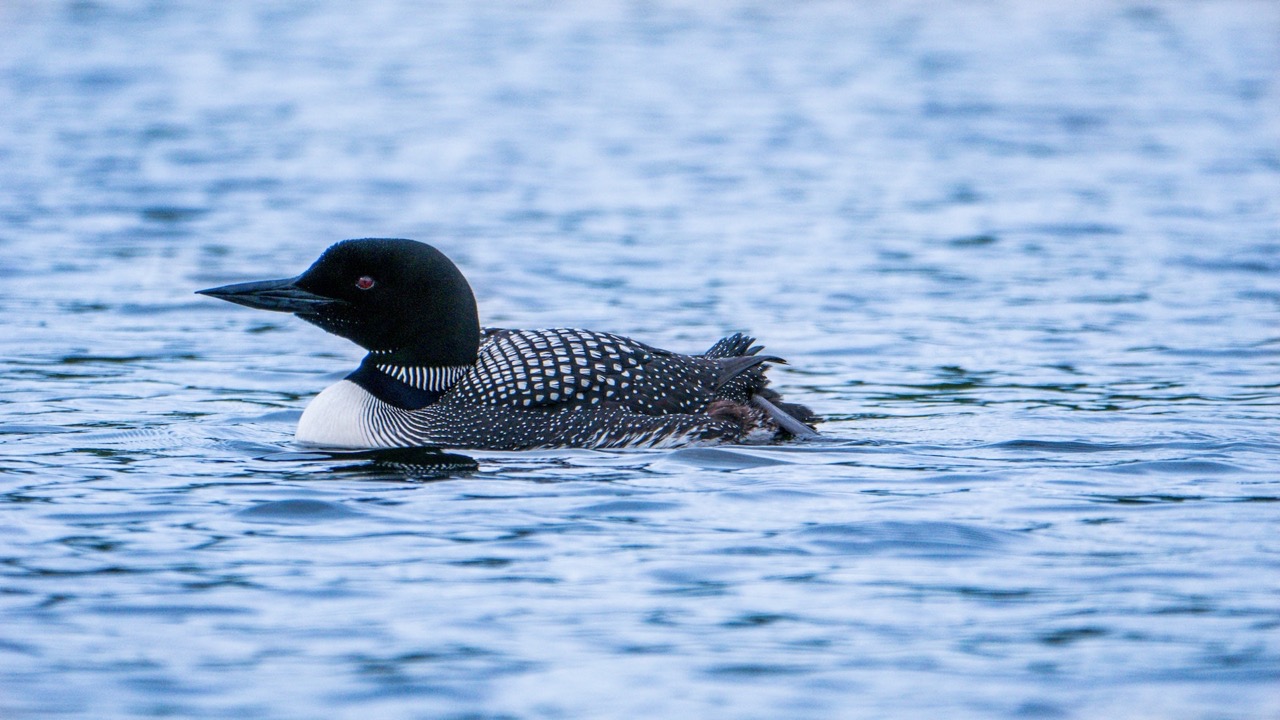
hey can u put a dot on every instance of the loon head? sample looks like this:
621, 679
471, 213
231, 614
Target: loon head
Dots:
401, 300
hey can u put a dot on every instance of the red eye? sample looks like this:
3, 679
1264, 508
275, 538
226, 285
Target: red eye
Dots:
365, 282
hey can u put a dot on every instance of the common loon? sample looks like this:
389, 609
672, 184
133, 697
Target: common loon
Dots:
434, 377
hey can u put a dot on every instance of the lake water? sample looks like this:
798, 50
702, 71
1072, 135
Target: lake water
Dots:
1023, 257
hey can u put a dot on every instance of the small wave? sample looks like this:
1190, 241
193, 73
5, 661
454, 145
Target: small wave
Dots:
928, 539
297, 511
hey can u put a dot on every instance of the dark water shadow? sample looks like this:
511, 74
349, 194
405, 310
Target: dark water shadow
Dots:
417, 464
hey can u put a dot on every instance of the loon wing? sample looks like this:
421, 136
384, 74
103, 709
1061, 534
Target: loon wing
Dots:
578, 368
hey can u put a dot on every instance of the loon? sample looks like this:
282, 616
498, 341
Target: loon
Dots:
434, 377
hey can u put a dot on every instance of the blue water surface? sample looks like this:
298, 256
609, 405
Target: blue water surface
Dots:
1023, 257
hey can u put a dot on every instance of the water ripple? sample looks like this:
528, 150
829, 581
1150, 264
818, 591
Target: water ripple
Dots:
298, 511
923, 539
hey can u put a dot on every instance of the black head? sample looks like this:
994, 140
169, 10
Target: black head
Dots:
401, 299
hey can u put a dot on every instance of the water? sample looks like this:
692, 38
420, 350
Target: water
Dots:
1023, 258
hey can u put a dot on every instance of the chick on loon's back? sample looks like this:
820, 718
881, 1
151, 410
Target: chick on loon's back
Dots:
434, 377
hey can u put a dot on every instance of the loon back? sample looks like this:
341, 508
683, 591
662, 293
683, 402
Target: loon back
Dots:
432, 377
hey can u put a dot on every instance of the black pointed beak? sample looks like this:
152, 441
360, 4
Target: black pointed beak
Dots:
279, 295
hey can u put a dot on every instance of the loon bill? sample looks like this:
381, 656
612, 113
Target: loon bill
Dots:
434, 377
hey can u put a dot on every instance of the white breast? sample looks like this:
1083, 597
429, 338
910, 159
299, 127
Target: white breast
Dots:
337, 417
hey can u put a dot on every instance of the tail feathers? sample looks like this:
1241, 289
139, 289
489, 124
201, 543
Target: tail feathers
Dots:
739, 361
735, 345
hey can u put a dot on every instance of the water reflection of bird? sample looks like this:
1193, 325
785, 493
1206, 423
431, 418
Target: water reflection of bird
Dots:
434, 377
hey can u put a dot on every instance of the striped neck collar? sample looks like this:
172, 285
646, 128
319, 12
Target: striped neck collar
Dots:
406, 387
431, 378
